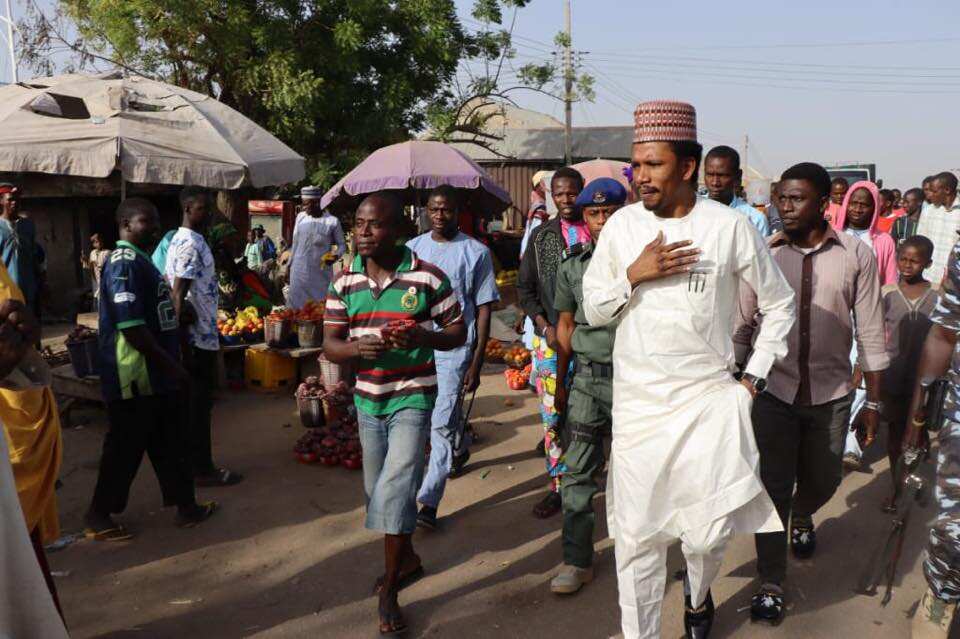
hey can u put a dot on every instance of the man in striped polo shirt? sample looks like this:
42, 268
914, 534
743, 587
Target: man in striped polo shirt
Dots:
396, 377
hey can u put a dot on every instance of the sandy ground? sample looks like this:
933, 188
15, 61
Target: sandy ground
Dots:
288, 556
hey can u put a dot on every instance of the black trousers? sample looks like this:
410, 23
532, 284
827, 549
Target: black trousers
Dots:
802, 447
202, 366
150, 425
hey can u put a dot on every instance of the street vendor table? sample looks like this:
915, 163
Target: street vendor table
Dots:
90, 320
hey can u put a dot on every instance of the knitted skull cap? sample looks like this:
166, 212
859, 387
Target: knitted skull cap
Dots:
664, 121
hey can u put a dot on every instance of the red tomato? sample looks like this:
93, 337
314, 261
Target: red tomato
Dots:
352, 463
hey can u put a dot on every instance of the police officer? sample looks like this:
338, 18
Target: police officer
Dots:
585, 407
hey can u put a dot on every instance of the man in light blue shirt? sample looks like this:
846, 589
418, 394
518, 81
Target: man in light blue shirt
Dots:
468, 265
722, 175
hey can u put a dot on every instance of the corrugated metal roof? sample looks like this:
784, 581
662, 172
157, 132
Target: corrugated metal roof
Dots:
546, 145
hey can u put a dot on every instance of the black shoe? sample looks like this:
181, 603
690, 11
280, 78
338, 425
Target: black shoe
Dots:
541, 449
803, 541
767, 606
459, 461
427, 518
697, 623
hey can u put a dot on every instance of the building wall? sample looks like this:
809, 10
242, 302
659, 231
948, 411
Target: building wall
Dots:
517, 179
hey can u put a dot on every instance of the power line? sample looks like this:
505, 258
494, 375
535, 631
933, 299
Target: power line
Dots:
858, 77
654, 74
806, 45
621, 58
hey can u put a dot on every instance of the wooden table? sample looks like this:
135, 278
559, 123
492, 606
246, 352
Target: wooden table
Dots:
69, 389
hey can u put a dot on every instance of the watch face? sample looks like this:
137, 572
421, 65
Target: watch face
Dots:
760, 384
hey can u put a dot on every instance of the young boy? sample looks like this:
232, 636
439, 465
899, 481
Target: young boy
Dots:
587, 410
906, 308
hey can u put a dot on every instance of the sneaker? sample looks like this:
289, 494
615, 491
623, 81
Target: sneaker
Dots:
427, 518
933, 618
459, 462
570, 579
803, 541
698, 622
767, 605
852, 462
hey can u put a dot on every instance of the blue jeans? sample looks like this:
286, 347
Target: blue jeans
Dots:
393, 460
446, 433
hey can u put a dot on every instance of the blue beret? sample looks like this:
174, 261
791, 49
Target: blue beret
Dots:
602, 192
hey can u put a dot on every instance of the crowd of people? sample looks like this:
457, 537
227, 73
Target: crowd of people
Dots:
721, 363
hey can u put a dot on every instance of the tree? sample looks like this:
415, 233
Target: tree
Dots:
334, 79
464, 110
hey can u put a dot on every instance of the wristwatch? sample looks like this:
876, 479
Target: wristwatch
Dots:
759, 384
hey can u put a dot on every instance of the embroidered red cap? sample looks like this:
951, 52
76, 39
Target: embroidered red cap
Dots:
664, 121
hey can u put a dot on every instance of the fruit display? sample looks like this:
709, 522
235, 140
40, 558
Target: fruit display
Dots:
518, 378
311, 311
507, 278
246, 325
517, 356
333, 445
495, 350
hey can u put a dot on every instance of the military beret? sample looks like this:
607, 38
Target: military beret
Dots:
602, 192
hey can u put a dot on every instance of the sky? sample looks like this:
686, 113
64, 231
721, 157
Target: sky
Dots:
832, 82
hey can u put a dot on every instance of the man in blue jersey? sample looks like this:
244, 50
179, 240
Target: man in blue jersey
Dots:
141, 379
722, 174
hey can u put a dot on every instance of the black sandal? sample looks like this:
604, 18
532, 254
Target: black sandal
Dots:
391, 623
197, 515
218, 478
405, 580
548, 506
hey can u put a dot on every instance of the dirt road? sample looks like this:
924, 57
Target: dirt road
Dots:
288, 557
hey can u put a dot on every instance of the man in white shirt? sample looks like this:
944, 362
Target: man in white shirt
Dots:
684, 463
940, 221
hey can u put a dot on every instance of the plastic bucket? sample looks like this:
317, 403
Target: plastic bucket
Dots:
309, 333
85, 357
276, 332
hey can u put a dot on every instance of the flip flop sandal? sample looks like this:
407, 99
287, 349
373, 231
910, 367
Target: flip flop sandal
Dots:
117, 533
392, 625
219, 477
404, 581
206, 510
548, 506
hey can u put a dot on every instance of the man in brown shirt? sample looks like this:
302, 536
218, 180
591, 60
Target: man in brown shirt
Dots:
800, 420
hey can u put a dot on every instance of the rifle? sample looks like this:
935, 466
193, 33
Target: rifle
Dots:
910, 489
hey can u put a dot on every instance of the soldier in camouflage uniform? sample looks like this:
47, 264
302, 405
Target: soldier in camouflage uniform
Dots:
942, 564
586, 406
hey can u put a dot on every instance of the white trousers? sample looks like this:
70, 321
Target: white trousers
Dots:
642, 567
642, 574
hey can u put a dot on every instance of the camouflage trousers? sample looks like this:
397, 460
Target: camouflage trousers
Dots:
942, 565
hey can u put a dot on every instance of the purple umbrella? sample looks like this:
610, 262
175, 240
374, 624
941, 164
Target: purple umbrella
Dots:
413, 169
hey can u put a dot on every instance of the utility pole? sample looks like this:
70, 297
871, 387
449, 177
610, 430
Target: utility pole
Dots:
745, 167
568, 88
11, 49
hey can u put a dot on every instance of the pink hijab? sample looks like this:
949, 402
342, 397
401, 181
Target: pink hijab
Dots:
883, 245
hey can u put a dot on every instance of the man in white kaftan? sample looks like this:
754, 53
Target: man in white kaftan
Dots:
684, 463
317, 242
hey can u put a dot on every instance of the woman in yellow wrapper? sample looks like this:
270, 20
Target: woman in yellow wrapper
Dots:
32, 427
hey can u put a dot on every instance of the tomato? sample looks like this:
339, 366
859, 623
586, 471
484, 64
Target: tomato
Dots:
331, 460
307, 458
352, 463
